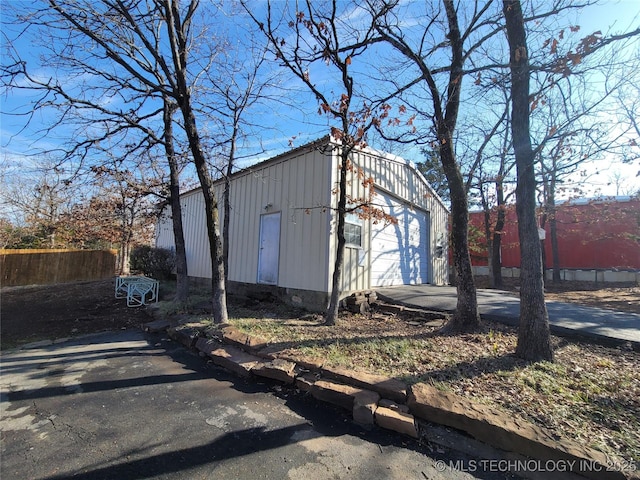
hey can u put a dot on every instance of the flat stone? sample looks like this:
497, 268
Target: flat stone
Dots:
246, 342
397, 421
278, 369
156, 326
385, 386
461, 442
308, 363
335, 393
207, 345
187, 335
400, 407
390, 308
305, 382
233, 359
365, 404
504, 431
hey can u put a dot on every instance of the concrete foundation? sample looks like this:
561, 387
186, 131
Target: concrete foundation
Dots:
574, 275
307, 299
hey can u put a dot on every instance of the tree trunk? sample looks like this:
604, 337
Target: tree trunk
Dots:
334, 303
123, 261
226, 199
488, 237
466, 316
178, 34
182, 278
496, 257
494, 240
534, 342
555, 251
227, 204
219, 296
126, 232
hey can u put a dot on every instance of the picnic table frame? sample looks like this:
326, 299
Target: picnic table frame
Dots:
139, 290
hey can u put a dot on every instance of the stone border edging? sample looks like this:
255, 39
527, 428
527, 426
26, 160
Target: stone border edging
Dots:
387, 402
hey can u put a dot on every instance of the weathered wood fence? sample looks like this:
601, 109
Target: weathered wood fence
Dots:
43, 267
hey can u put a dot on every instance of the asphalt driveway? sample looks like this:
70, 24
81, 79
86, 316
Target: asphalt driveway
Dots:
564, 318
129, 405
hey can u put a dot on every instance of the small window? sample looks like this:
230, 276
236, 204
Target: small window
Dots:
353, 230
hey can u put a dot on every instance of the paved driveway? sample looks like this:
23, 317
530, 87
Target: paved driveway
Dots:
127, 405
564, 318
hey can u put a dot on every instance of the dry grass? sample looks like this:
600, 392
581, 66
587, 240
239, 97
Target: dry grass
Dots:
590, 394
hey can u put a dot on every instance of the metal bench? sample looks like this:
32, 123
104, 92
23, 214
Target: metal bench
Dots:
138, 290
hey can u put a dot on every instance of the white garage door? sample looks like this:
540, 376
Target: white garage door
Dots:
399, 252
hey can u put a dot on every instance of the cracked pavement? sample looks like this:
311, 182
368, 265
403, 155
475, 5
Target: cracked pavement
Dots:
129, 405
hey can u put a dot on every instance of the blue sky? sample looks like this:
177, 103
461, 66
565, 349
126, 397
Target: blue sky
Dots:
300, 124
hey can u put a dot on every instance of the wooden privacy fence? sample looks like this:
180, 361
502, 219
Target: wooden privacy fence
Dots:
43, 267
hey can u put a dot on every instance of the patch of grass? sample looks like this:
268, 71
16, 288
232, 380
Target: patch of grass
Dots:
543, 378
271, 330
378, 355
171, 307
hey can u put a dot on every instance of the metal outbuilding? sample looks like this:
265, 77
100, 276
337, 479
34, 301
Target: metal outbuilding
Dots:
283, 222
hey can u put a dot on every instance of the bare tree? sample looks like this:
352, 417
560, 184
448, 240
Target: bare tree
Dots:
38, 197
494, 206
133, 132
182, 273
125, 196
573, 77
572, 109
628, 100
445, 50
148, 45
445, 107
534, 340
178, 30
315, 34
242, 84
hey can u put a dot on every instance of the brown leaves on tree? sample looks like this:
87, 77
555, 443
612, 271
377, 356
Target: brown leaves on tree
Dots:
324, 108
363, 206
563, 64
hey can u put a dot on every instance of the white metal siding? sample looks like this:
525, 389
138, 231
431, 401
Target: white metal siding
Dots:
194, 224
396, 177
298, 189
299, 186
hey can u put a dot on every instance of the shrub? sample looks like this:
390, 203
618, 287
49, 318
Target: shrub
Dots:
158, 263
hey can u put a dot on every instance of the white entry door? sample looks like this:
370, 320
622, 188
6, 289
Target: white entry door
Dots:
269, 255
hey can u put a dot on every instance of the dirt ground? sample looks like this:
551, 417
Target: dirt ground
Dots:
33, 313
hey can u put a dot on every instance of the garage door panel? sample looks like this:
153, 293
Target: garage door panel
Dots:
399, 251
